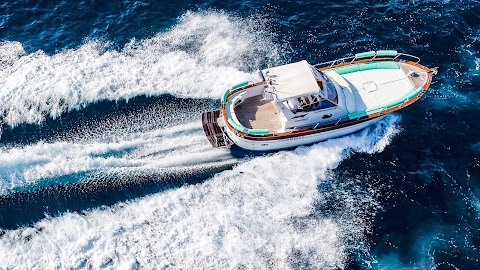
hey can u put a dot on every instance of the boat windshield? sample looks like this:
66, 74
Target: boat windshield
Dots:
327, 89
325, 98
309, 103
330, 93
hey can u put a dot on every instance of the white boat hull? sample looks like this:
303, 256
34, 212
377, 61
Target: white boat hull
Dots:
278, 144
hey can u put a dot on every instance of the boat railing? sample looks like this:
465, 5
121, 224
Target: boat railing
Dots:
372, 56
316, 125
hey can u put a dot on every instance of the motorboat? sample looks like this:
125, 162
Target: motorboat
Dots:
300, 104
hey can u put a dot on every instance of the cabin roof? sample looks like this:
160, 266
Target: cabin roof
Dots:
291, 80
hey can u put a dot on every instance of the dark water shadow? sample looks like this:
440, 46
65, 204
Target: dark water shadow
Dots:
25, 208
424, 181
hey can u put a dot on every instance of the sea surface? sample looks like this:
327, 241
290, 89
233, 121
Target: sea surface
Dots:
104, 164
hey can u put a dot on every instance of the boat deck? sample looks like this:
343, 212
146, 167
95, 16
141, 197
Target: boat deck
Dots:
374, 88
257, 113
416, 82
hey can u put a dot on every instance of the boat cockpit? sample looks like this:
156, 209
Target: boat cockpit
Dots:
302, 93
327, 96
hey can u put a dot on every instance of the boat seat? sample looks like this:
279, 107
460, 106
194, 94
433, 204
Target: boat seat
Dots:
366, 66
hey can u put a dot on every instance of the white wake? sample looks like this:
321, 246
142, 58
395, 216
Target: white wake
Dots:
260, 214
30, 165
203, 54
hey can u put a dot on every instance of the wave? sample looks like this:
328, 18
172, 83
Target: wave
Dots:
204, 53
265, 212
46, 164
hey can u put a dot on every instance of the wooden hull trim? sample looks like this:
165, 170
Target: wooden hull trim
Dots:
300, 132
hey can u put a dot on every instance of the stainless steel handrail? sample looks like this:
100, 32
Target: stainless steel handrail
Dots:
351, 59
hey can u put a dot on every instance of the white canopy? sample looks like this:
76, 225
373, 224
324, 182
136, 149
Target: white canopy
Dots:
291, 80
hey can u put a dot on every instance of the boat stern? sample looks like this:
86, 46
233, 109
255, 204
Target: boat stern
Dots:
212, 129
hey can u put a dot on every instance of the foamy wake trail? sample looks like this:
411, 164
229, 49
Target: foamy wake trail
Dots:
260, 214
199, 57
39, 164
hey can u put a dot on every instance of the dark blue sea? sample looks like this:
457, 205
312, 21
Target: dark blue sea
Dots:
104, 164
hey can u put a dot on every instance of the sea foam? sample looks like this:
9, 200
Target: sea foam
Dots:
42, 164
203, 54
264, 213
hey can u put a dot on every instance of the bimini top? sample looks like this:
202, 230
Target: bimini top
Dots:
292, 80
